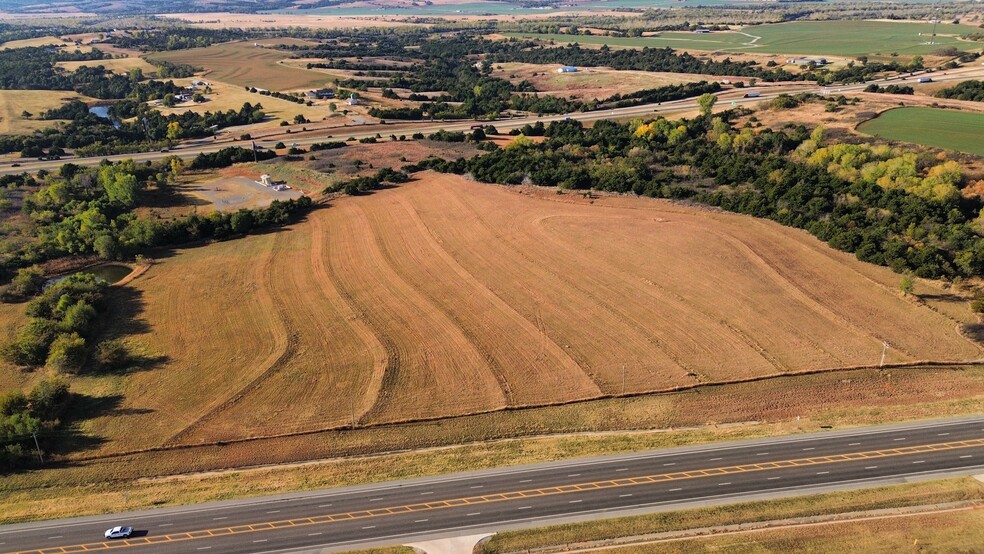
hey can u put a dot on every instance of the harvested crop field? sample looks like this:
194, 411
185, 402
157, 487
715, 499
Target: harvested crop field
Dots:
245, 65
445, 297
13, 103
590, 82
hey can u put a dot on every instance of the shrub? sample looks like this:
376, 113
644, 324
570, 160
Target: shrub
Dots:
67, 353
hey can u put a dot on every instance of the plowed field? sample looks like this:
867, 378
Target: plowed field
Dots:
445, 297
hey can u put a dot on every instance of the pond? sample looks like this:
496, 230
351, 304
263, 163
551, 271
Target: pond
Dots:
103, 112
111, 273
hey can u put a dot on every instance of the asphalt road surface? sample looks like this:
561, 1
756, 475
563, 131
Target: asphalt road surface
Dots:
469, 503
192, 148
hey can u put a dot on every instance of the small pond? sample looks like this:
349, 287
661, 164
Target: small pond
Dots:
103, 112
111, 273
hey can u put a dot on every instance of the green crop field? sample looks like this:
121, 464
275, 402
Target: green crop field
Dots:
830, 38
953, 130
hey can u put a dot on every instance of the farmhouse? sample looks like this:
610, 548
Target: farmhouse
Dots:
320, 94
567, 69
806, 61
353, 100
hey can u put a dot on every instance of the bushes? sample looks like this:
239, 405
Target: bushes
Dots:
61, 320
327, 145
43, 408
28, 282
229, 156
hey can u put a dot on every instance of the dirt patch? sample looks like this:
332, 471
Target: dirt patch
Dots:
229, 194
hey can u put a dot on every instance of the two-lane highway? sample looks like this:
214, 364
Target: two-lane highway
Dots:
525, 496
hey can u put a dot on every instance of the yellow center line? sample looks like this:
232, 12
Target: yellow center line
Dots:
507, 496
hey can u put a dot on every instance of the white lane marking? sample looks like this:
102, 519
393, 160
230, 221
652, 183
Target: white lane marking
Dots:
218, 518
810, 448
525, 508
942, 434
274, 512
573, 501
574, 475
919, 462
165, 524
324, 505
622, 469
426, 493
313, 534
774, 478
204, 547
871, 467
822, 472
369, 527
526, 481
674, 490
475, 514
624, 495
761, 453
56, 537
261, 540
715, 459
421, 520
899, 439
476, 486
723, 484
375, 499
854, 444
670, 464
967, 456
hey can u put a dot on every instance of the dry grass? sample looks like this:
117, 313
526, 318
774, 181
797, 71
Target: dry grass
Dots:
241, 63
866, 397
840, 537
33, 43
445, 298
14, 102
483, 310
266, 21
958, 531
488, 305
590, 82
117, 65
226, 96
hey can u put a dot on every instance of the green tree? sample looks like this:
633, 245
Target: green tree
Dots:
49, 399
169, 100
706, 102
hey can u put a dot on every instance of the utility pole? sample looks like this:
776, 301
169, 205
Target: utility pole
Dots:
38, 446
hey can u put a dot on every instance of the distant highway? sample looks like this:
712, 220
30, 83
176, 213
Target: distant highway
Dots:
526, 496
191, 149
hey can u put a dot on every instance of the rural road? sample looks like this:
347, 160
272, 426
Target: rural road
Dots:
525, 496
735, 96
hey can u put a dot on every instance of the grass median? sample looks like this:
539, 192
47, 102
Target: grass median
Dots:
895, 496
